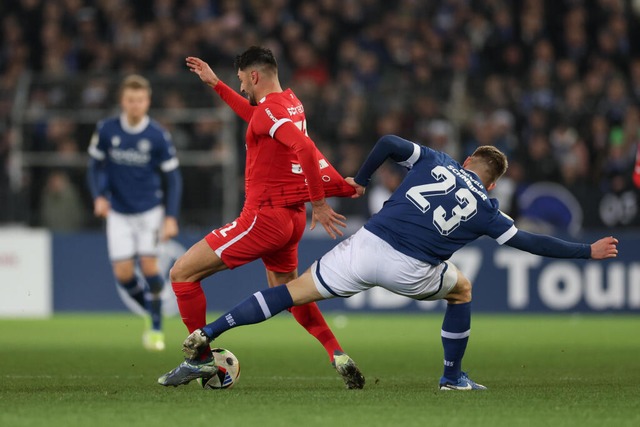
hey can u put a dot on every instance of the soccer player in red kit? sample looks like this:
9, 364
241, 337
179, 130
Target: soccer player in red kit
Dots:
284, 169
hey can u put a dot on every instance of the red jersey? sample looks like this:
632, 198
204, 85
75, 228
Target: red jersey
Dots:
274, 175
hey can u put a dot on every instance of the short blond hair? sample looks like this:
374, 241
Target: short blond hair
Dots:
135, 81
495, 161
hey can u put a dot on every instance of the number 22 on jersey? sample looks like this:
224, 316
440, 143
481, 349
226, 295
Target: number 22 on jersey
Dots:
465, 208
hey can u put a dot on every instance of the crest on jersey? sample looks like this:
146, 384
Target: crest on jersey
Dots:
115, 141
144, 145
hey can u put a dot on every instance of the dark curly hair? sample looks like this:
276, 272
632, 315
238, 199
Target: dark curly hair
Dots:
255, 55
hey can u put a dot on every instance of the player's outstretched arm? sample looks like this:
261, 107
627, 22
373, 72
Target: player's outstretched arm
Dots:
605, 248
540, 244
203, 70
388, 146
239, 104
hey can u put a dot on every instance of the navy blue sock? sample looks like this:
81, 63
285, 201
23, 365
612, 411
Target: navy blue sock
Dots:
154, 306
456, 328
255, 309
135, 291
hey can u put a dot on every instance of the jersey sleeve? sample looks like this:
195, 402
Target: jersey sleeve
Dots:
166, 153
96, 172
402, 151
239, 104
500, 227
98, 144
268, 118
168, 163
548, 246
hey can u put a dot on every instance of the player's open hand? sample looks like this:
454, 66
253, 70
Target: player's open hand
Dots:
359, 188
169, 229
604, 248
101, 207
329, 219
203, 70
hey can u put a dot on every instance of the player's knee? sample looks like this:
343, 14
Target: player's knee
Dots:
174, 273
461, 293
156, 284
123, 274
179, 272
465, 291
149, 267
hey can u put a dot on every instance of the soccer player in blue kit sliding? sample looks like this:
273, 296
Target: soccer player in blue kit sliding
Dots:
439, 207
128, 153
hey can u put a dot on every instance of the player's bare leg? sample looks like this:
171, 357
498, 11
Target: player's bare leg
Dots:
199, 262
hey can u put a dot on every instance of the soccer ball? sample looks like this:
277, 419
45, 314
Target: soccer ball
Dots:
228, 370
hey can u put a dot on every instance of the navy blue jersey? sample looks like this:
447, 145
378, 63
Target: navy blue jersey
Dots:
438, 208
133, 158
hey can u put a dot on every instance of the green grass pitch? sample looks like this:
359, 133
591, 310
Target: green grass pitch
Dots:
90, 370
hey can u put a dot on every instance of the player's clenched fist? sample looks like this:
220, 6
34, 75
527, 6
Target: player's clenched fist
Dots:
360, 190
605, 248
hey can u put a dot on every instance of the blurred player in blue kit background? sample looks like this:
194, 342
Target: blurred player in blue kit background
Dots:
440, 206
128, 155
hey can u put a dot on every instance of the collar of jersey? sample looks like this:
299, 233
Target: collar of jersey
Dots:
133, 129
264, 98
476, 177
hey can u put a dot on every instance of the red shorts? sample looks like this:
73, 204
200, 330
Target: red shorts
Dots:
271, 234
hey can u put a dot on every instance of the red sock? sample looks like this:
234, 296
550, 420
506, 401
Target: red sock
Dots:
192, 304
310, 317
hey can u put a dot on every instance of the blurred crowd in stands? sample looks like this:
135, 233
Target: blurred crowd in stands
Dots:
555, 84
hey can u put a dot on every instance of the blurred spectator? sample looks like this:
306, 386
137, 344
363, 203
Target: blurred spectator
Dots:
615, 102
440, 137
541, 163
388, 177
61, 206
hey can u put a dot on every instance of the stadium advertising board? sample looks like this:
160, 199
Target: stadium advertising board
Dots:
25, 273
505, 280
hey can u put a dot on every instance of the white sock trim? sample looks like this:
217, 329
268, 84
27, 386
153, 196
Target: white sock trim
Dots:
455, 335
263, 304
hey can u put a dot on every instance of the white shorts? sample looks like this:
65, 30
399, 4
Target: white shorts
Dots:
364, 260
131, 235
